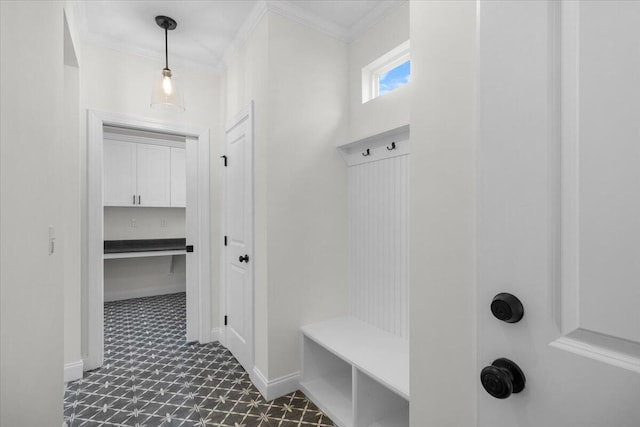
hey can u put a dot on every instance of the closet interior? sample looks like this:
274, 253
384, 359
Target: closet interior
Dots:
356, 368
144, 192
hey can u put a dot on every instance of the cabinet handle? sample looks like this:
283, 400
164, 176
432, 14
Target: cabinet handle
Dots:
138, 199
134, 199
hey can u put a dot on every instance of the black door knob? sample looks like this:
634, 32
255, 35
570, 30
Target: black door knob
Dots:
244, 258
507, 308
502, 378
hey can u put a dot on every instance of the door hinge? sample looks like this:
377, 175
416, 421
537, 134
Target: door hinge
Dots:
225, 320
225, 160
225, 240
189, 248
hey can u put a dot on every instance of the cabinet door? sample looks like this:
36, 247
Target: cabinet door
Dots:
178, 177
153, 173
119, 173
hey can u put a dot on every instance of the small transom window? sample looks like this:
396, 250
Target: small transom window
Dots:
387, 73
393, 79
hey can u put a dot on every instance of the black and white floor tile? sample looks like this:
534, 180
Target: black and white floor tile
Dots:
152, 378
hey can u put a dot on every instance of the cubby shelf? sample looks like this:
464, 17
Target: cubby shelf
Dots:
334, 394
357, 374
398, 418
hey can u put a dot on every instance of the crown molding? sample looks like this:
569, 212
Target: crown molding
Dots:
245, 31
87, 37
285, 8
374, 16
290, 10
177, 61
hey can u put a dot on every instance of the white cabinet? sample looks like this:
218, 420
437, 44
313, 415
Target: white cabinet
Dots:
153, 175
119, 173
137, 174
178, 177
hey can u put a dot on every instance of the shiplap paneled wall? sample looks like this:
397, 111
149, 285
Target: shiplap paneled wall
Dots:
378, 244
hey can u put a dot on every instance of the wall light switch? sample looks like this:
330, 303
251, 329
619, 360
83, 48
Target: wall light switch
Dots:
52, 240
163, 223
133, 223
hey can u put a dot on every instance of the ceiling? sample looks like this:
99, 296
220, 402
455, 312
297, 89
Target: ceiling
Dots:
208, 31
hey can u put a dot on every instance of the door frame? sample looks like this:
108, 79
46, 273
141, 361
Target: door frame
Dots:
246, 113
198, 314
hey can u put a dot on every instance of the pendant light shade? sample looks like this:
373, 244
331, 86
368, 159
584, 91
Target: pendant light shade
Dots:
165, 93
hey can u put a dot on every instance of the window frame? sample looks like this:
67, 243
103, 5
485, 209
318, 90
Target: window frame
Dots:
371, 73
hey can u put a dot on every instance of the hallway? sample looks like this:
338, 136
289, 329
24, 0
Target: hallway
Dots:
150, 377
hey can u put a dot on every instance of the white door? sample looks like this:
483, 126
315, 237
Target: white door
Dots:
558, 211
153, 175
239, 261
119, 173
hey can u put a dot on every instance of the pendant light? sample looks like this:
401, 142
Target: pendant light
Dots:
165, 94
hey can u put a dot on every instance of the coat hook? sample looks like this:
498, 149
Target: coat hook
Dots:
393, 146
366, 153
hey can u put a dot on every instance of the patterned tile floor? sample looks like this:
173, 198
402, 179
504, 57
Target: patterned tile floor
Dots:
152, 378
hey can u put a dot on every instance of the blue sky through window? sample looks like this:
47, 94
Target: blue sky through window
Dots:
395, 78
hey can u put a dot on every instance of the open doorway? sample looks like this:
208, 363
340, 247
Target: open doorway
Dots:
144, 183
132, 218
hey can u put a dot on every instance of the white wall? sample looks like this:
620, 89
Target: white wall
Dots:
71, 197
297, 78
442, 209
117, 82
306, 186
126, 223
142, 277
31, 161
379, 243
138, 277
392, 109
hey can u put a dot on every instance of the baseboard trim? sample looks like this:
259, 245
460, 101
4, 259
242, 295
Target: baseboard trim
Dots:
222, 335
73, 371
215, 334
278, 387
144, 292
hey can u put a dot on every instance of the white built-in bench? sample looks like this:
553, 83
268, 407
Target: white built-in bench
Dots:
356, 373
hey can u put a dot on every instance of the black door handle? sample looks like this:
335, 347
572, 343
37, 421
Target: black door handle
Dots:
244, 258
502, 378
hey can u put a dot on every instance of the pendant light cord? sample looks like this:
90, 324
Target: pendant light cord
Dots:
166, 48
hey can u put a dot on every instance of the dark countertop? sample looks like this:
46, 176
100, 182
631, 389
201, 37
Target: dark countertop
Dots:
144, 245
